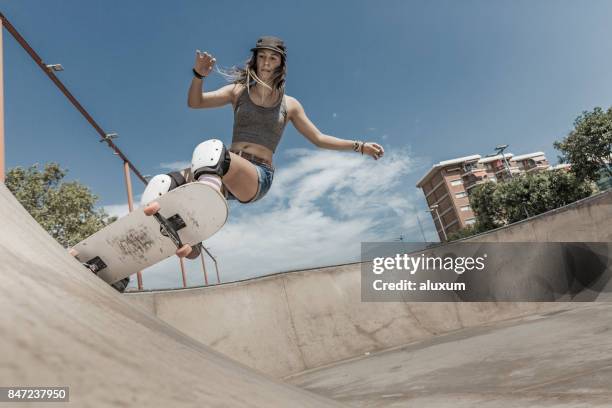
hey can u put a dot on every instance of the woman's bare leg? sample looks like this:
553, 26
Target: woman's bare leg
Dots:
242, 179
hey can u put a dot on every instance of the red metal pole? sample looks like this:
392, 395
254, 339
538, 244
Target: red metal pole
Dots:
130, 196
204, 268
214, 260
183, 272
217, 268
2, 164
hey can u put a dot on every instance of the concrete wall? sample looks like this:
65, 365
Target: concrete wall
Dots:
290, 322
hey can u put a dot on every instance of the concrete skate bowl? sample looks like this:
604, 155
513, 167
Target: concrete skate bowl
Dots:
306, 327
62, 326
290, 322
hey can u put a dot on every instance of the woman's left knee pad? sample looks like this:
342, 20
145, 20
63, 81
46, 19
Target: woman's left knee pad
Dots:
210, 157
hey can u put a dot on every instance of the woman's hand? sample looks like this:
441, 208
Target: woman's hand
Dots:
204, 63
373, 149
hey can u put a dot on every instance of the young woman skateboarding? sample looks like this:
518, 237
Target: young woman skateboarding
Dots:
244, 171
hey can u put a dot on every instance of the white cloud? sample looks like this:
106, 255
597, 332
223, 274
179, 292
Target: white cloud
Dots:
320, 208
118, 210
175, 166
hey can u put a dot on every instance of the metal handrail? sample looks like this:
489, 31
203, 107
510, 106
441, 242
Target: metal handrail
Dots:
103, 135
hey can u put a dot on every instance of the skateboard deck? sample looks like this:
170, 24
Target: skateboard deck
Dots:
194, 211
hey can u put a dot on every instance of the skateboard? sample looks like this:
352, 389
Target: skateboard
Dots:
189, 214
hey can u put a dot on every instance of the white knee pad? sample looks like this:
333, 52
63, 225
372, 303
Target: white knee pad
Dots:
160, 185
210, 157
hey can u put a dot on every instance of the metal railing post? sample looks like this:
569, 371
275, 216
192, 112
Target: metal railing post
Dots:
214, 260
182, 263
130, 197
2, 163
204, 268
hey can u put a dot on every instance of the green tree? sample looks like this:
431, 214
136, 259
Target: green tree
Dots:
533, 194
496, 205
65, 209
489, 214
463, 233
588, 148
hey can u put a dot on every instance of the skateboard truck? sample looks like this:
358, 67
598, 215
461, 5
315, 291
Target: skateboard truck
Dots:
170, 226
95, 265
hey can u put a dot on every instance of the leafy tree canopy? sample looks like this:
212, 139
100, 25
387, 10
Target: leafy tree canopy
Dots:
588, 148
499, 204
65, 209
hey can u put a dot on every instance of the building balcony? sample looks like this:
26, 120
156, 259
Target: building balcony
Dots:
476, 171
473, 177
513, 170
537, 167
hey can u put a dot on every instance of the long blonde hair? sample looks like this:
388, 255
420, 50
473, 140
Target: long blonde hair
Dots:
247, 75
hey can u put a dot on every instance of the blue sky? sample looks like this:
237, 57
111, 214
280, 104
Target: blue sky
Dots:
429, 80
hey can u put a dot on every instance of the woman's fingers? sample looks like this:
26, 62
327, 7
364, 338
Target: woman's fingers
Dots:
203, 54
375, 150
204, 62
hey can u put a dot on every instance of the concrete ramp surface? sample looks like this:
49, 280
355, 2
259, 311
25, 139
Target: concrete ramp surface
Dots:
62, 326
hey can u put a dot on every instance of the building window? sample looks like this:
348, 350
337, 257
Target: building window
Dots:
465, 208
461, 194
469, 167
457, 182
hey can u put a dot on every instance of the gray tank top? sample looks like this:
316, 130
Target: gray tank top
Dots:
257, 124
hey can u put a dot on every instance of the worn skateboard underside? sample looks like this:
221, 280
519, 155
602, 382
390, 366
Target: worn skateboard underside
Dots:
135, 241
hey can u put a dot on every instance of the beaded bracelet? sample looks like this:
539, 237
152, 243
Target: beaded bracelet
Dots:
358, 146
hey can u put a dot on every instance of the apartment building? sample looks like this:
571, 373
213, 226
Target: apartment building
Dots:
447, 185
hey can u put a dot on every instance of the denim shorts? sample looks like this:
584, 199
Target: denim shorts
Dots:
266, 175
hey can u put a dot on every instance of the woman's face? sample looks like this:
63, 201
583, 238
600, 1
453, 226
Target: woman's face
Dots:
267, 62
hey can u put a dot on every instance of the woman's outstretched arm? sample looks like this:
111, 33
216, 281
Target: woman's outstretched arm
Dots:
196, 97
309, 130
